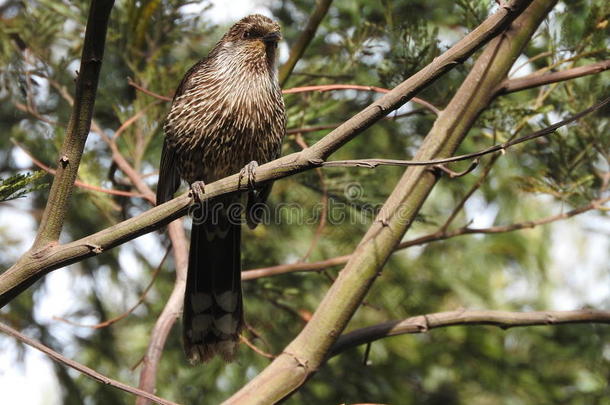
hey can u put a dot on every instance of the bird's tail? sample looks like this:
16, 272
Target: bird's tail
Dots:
213, 309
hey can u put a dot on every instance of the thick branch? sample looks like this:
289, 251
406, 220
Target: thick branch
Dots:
81, 368
32, 267
308, 350
304, 39
79, 125
502, 319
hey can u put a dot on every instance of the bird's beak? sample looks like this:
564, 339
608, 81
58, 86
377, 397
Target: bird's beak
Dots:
274, 36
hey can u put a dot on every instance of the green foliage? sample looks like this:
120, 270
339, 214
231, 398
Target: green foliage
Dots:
20, 184
414, 46
366, 42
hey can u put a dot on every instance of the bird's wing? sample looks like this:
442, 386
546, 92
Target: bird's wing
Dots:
169, 178
185, 83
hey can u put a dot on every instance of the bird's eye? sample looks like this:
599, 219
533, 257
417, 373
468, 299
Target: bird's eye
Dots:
246, 35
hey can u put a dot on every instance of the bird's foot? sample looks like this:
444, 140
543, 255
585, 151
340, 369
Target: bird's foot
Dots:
198, 190
249, 172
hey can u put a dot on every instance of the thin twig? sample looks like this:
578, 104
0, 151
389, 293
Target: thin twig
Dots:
491, 162
441, 234
304, 130
133, 119
323, 202
529, 61
146, 91
256, 349
331, 87
80, 367
33, 113
305, 89
130, 310
77, 183
372, 163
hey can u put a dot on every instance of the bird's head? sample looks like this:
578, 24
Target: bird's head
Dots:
254, 37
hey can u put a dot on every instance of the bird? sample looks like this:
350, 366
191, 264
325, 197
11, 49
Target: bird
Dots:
226, 117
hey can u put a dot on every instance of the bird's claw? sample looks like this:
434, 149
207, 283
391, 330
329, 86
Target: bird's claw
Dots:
249, 172
198, 190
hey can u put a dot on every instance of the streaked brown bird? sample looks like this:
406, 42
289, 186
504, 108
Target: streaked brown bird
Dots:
226, 115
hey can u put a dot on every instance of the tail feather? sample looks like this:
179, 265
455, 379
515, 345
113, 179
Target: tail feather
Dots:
213, 309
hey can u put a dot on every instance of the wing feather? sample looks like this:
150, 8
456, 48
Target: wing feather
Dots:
169, 178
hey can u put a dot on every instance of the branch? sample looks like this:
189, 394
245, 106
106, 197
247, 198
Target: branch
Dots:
77, 183
254, 348
78, 127
502, 319
81, 368
132, 119
329, 87
323, 202
315, 128
294, 90
373, 163
535, 80
302, 357
171, 312
146, 91
173, 306
108, 322
441, 234
32, 267
28, 109
304, 39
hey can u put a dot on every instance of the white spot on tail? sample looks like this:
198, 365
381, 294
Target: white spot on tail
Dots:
226, 324
200, 302
202, 323
227, 301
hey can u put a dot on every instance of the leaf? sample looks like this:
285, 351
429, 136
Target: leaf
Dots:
20, 184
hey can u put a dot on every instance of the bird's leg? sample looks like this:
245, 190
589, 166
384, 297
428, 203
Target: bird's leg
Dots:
249, 172
197, 189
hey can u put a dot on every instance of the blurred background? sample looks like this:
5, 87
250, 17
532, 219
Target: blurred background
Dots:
560, 266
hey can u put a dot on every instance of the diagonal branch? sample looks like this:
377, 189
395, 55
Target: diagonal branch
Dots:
502, 319
328, 87
302, 357
81, 368
373, 163
304, 39
18, 277
535, 80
